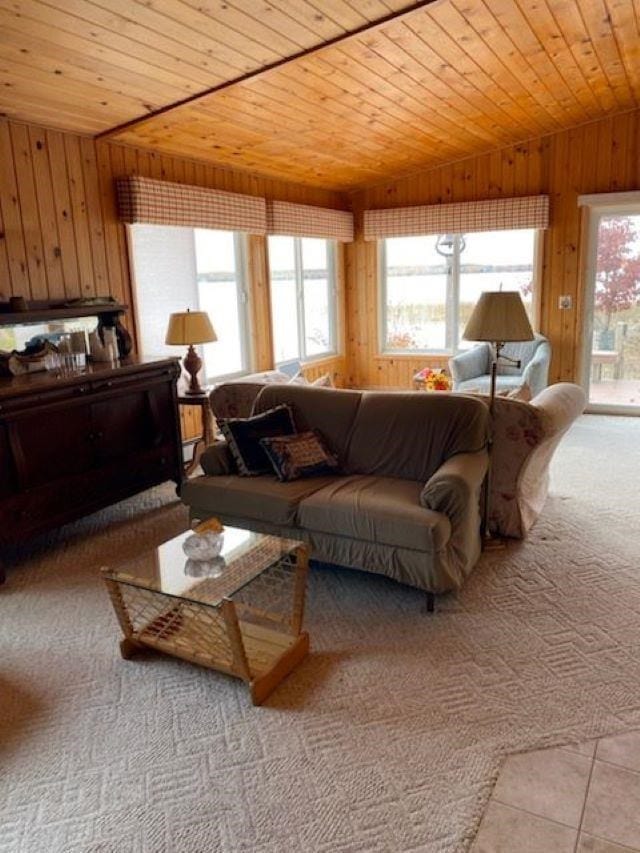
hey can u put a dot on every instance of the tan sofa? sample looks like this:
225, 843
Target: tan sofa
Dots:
407, 502
525, 435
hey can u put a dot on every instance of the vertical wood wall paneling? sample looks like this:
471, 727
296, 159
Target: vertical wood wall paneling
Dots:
60, 236
94, 216
259, 302
77, 192
30, 216
39, 156
17, 282
62, 204
602, 156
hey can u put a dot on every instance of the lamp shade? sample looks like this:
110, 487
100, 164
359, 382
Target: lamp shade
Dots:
190, 327
499, 316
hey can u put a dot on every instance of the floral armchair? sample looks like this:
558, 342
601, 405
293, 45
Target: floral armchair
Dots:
525, 437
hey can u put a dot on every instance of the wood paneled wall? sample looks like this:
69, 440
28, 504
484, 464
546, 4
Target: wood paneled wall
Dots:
59, 234
602, 156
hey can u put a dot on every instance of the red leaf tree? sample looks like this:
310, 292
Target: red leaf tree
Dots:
617, 267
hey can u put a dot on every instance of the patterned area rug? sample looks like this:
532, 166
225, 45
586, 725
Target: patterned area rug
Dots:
387, 738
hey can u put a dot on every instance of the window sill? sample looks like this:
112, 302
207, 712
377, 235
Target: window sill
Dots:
415, 354
318, 359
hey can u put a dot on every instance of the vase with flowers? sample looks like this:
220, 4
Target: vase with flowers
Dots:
432, 379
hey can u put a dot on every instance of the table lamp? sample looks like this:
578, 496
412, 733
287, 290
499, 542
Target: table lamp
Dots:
191, 327
498, 317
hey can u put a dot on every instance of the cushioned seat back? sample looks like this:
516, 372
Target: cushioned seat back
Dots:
411, 434
522, 351
330, 410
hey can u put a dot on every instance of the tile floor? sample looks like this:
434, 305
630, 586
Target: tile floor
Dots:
581, 798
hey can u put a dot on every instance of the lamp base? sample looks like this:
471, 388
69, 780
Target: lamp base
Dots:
192, 364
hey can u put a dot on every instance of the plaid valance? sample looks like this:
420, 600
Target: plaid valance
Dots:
151, 202
494, 214
304, 220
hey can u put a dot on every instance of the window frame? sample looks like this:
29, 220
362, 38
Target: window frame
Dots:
243, 296
597, 206
240, 251
452, 306
332, 286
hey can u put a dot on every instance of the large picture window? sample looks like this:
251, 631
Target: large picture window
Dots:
198, 268
430, 284
303, 297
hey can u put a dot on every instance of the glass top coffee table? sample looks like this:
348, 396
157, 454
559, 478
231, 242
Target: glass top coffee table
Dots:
238, 611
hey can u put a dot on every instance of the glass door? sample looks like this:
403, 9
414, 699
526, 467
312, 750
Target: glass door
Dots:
611, 371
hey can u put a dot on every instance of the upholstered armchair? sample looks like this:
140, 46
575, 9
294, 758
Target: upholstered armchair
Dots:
471, 369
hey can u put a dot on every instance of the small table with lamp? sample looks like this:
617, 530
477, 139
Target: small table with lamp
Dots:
189, 328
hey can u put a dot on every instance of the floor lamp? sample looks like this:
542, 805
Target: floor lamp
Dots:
499, 317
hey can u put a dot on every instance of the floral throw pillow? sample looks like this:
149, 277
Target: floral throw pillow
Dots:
303, 455
243, 437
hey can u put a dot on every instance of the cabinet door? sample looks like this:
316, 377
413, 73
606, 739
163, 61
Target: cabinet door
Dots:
50, 445
163, 414
8, 483
121, 425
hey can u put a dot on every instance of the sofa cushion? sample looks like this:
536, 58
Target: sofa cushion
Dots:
261, 498
384, 510
410, 435
243, 437
330, 410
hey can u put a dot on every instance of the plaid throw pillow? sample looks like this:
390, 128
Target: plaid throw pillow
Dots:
243, 437
301, 455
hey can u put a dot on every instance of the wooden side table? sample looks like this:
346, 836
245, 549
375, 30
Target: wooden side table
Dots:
208, 425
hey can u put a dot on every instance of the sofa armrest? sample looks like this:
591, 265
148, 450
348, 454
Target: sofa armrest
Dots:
536, 373
470, 363
454, 490
451, 489
217, 460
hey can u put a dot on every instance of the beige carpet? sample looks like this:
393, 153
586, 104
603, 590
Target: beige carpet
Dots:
388, 738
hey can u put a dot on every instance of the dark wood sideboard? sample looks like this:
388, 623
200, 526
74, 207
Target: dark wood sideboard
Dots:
70, 445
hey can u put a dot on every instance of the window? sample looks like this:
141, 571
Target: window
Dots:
303, 297
180, 268
430, 284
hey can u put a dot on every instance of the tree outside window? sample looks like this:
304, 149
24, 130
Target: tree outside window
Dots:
617, 272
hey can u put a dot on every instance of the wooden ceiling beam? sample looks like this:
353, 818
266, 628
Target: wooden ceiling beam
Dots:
265, 69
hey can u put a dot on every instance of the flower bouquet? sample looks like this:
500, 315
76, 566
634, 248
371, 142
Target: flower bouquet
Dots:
430, 379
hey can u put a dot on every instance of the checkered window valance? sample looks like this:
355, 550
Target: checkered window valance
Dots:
303, 220
150, 202
494, 214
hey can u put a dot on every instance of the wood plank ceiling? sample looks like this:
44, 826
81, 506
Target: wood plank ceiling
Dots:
90, 65
447, 80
